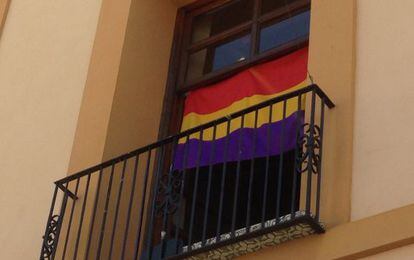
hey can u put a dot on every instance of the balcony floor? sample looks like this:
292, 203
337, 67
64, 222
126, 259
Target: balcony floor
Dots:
273, 234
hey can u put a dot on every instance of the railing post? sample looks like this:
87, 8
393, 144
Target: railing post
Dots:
95, 205
142, 208
54, 225
297, 169
195, 189
81, 218
236, 189
60, 221
210, 173
168, 198
121, 186
49, 238
153, 200
131, 199
268, 140
319, 165
280, 169
223, 179
105, 213
310, 154
70, 221
251, 173
182, 175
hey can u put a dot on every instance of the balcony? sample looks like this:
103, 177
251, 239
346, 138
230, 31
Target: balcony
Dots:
181, 198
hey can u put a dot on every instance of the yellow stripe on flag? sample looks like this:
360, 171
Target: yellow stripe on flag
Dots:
192, 120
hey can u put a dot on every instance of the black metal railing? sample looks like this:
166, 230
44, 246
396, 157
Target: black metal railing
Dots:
191, 193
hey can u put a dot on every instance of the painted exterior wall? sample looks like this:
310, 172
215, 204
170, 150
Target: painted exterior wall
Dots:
138, 99
44, 57
123, 96
384, 94
122, 101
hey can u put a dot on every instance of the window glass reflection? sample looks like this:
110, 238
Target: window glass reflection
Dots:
284, 32
220, 20
218, 57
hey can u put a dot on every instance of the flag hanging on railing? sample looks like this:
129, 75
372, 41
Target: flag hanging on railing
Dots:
238, 141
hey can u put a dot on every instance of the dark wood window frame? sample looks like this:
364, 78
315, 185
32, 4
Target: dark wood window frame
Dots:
182, 48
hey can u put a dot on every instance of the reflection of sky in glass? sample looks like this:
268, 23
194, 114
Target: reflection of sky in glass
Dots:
285, 31
231, 52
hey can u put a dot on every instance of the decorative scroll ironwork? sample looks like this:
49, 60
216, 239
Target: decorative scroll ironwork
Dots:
50, 239
309, 144
168, 193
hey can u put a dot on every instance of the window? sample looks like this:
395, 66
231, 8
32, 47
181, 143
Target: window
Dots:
214, 40
222, 38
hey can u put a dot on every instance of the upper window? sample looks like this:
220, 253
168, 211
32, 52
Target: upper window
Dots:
226, 36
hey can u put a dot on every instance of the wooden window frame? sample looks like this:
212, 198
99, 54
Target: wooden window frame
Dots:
182, 48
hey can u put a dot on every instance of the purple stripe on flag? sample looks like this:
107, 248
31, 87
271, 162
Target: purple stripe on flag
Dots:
250, 138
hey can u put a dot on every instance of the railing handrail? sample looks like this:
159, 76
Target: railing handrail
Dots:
313, 87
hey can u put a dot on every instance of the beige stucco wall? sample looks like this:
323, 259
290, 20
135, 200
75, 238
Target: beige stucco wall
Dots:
44, 56
122, 101
382, 165
138, 99
123, 96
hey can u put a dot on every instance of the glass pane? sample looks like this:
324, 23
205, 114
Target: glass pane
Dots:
286, 31
218, 57
231, 52
270, 5
220, 20
196, 65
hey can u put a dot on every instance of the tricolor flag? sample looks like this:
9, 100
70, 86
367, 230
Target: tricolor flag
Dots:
247, 88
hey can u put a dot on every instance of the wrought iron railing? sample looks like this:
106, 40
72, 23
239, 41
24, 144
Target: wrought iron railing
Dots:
155, 203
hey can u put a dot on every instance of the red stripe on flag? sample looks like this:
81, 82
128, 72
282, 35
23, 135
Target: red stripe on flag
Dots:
265, 79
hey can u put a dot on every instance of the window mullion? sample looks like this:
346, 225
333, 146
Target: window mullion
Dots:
244, 27
255, 28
